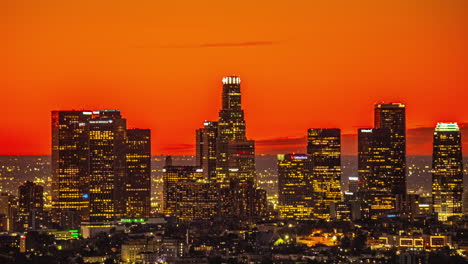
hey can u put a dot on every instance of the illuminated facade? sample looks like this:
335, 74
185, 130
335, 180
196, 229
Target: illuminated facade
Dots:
353, 184
30, 206
206, 140
324, 145
447, 171
70, 166
375, 168
8, 211
195, 200
107, 167
235, 154
242, 200
138, 183
171, 177
393, 117
90, 154
187, 195
295, 189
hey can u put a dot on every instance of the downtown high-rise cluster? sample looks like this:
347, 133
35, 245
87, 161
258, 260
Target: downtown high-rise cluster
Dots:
310, 184
100, 169
223, 182
97, 206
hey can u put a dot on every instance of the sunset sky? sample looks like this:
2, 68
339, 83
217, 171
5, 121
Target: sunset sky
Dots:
303, 64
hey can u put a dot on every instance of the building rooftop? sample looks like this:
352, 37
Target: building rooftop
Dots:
447, 127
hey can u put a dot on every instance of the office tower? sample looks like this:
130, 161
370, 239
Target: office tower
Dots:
90, 152
138, 183
234, 151
375, 168
295, 189
206, 139
195, 200
171, 177
324, 145
199, 145
8, 211
187, 195
241, 157
70, 166
353, 184
243, 201
107, 166
447, 171
30, 206
393, 117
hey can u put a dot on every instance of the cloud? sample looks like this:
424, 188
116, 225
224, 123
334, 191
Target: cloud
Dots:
178, 147
418, 142
281, 141
214, 45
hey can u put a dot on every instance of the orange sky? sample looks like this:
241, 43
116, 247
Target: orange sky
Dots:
303, 64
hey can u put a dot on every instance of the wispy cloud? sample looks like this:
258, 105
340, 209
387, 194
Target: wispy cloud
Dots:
212, 45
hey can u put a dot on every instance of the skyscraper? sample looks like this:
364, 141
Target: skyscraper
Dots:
30, 206
295, 188
90, 154
393, 117
375, 169
324, 145
70, 165
234, 151
107, 166
447, 171
206, 140
138, 183
199, 147
235, 162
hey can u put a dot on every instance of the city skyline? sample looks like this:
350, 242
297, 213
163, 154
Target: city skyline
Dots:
206, 132
419, 140
329, 61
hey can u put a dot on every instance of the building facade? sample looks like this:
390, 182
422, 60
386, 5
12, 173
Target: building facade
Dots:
324, 145
138, 166
31, 206
295, 186
447, 171
375, 168
393, 117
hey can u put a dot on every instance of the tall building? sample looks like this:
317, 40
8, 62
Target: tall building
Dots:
107, 167
447, 171
235, 154
30, 206
138, 183
295, 188
393, 117
89, 166
206, 140
324, 145
353, 184
199, 147
375, 169
70, 166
